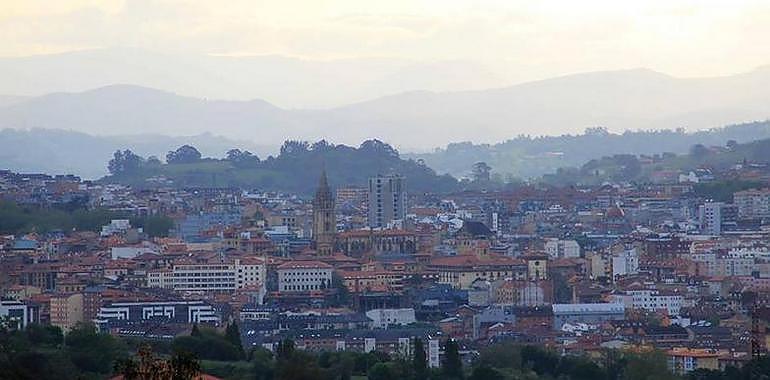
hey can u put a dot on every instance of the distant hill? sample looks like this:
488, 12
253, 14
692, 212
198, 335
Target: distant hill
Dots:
528, 157
421, 120
295, 169
628, 167
68, 152
286, 81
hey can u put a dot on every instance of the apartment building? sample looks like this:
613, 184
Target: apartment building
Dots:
66, 310
303, 276
211, 275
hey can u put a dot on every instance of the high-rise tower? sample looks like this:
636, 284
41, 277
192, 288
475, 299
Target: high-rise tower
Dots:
324, 219
387, 200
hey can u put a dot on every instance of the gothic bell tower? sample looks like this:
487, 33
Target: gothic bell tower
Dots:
324, 219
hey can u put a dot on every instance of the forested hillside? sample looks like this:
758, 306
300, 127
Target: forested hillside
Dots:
295, 169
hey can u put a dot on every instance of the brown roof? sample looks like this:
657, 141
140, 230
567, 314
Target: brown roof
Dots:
297, 264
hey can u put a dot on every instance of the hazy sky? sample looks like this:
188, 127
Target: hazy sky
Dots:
519, 39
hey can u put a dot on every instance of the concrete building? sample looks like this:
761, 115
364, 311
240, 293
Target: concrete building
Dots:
651, 300
303, 276
18, 313
710, 218
625, 262
213, 275
556, 248
753, 203
167, 311
383, 318
588, 313
387, 200
66, 310
682, 361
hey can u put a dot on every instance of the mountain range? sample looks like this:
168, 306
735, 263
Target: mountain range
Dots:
416, 121
67, 152
288, 82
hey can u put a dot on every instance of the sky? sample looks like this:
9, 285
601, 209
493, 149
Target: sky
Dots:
520, 40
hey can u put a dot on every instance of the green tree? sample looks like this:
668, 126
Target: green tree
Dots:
453, 365
384, 371
484, 372
44, 334
264, 366
420, 360
646, 366
185, 154
233, 335
92, 351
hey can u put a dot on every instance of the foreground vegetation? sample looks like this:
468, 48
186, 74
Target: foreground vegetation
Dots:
42, 352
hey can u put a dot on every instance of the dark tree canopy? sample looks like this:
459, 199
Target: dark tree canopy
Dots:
125, 162
185, 154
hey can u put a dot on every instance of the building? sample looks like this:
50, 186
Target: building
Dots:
753, 203
351, 196
588, 313
211, 275
66, 310
383, 318
303, 276
710, 218
165, 311
324, 219
556, 248
651, 300
682, 361
625, 263
387, 200
18, 313
462, 271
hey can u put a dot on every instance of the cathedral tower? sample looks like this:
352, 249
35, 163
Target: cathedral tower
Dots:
324, 219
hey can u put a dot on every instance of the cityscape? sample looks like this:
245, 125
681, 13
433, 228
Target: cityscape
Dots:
427, 191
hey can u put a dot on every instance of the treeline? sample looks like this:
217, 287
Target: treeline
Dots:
42, 352
533, 156
633, 168
295, 169
19, 219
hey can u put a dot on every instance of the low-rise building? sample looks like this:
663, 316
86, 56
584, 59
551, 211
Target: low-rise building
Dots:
303, 276
382, 318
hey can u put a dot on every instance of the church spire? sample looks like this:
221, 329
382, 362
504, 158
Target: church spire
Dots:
324, 218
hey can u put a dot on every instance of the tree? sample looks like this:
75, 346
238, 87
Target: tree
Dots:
699, 151
420, 360
157, 226
285, 349
481, 172
241, 158
185, 154
453, 365
91, 351
44, 334
384, 371
294, 148
181, 366
233, 335
263, 364
484, 372
124, 162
